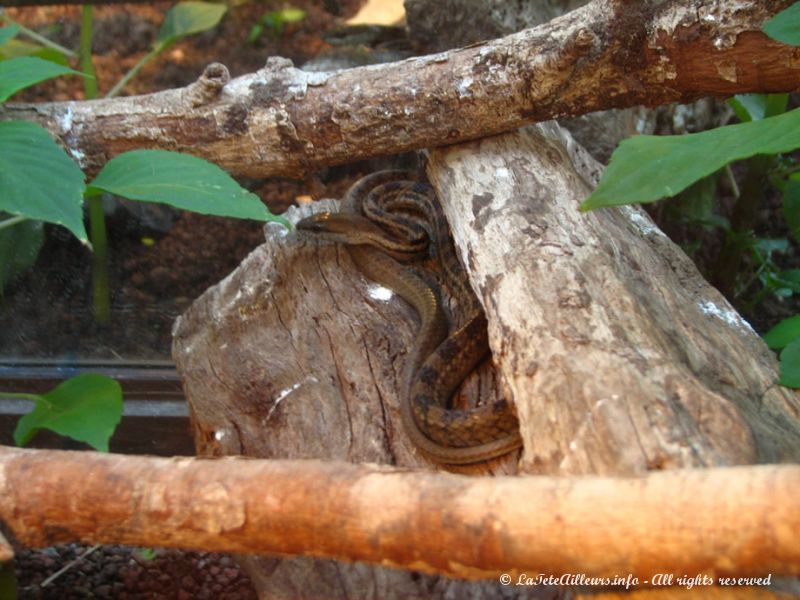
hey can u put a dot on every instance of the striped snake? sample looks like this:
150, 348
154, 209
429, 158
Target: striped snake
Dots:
389, 218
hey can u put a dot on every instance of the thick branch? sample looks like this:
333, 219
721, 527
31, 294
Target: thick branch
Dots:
281, 121
484, 526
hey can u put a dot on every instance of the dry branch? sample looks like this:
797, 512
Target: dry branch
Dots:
742, 521
282, 121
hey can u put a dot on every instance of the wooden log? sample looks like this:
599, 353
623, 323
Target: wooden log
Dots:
619, 356
282, 121
466, 527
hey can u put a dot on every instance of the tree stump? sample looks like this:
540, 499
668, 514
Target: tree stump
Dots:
618, 356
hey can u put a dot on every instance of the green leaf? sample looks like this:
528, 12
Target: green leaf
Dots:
276, 19
182, 181
186, 18
790, 365
749, 107
16, 48
19, 248
785, 26
783, 333
6, 33
646, 168
22, 72
37, 179
86, 408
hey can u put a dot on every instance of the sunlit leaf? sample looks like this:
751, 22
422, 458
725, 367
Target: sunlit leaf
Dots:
186, 18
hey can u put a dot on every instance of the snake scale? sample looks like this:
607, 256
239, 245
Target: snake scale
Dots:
388, 219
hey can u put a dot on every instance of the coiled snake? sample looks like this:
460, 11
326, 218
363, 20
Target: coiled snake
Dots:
386, 219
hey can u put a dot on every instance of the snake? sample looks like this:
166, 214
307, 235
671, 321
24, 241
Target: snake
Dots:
390, 220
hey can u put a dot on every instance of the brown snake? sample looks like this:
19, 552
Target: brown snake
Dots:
386, 219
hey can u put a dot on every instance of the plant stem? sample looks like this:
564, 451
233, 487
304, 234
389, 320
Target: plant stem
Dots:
85, 53
100, 286
134, 70
39, 38
97, 220
742, 221
12, 221
18, 395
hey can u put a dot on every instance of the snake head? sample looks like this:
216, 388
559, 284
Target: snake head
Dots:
345, 228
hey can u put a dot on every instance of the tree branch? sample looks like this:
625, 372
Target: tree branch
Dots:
484, 526
282, 121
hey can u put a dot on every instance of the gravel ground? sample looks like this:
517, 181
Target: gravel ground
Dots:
125, 573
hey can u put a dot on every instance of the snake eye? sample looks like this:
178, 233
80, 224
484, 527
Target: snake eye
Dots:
315, 222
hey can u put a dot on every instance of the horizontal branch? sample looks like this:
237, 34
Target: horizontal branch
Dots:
731, 521
282, 121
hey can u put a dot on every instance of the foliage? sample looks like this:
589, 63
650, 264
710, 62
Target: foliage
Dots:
785, 26
39, 180
648, 168
183, 19
86, 408
21, 72
275, 21
19, 248
186, 18
180, 180
42, 183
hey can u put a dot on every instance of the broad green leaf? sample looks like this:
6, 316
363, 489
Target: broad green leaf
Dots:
37, 179
749, 107
790, 365
785, 26
646, 168
86, 408
783, 333
186, 18
16, 48
6, 33
182, 181
22, 72
791, 206
19, 248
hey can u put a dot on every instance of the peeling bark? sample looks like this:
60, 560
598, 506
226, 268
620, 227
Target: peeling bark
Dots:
281, 121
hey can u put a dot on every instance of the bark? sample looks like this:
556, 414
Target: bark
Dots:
607, 336
281, 121
484, 526
296, 355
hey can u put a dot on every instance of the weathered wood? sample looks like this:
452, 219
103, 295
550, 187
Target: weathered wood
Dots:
619, 356
281, 121
297, 355
473, 528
